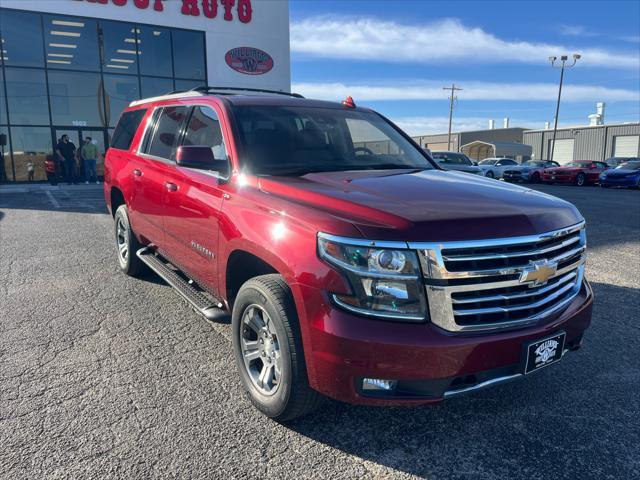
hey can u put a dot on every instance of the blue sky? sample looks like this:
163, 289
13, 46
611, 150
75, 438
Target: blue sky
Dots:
395, 56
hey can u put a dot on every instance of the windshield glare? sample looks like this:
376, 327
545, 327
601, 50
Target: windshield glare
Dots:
281, 140
629, 166
533, 163
488, 161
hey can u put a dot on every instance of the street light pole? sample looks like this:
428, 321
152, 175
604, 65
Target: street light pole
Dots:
452, 97
563, 59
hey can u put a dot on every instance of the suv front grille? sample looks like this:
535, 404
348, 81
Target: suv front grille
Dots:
502, 283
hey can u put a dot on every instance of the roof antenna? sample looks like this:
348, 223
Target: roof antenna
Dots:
348, 102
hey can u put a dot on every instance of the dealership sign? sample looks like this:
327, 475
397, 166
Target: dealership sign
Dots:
249, 60
208, 8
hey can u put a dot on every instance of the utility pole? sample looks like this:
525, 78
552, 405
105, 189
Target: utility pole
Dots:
563, 59
452, 97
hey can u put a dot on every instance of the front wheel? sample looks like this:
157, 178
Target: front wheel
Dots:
581, 180
535, 178
268, 349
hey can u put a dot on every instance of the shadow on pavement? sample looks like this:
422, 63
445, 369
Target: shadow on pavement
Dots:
565, 418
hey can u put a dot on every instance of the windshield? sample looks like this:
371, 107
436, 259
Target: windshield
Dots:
576, 164
299, 140
629, 165
532, 163
451, 158
488, 161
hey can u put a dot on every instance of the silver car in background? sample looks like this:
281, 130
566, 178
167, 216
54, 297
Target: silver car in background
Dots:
495, 167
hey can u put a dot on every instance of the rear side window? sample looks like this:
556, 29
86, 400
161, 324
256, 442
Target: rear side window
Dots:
167, 132
126, 129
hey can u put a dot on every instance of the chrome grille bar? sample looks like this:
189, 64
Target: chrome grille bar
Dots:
509, 303
515, 296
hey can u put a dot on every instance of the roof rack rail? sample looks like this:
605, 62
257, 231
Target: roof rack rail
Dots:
209, 89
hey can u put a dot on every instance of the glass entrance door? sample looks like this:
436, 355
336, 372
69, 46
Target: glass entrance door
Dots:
78, 136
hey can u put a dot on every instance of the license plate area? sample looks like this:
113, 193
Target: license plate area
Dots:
544, 352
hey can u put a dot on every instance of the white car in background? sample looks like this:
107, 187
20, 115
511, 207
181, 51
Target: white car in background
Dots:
495, 167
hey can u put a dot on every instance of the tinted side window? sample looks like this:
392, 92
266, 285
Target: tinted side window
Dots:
126, 129
167, 131
204, 129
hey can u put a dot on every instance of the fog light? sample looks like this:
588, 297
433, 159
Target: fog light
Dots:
378, 384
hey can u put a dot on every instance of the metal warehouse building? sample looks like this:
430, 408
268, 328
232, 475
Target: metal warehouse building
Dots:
496, 138
596, 142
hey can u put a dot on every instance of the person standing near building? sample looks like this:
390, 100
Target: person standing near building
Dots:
89, 154
30, 170
66, 151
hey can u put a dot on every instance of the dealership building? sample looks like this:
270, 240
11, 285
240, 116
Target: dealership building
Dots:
71, 66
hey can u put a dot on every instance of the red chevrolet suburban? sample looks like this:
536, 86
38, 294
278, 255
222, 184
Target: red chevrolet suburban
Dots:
351, 265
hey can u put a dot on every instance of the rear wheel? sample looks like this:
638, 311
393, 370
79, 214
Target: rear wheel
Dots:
489, 174
268, 349
126, 243
535, 178
581, 180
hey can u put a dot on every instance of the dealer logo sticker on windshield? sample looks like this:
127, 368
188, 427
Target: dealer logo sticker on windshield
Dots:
249, 60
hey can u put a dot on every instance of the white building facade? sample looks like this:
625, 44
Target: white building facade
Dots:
71, 66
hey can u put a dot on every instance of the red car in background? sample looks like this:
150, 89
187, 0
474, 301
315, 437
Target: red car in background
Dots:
581, 172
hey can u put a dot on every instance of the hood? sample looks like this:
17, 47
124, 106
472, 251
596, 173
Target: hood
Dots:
432, 205
621, 172
565, 169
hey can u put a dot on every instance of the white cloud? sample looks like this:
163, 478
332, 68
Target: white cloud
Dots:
446, 41
471, 91
576, 31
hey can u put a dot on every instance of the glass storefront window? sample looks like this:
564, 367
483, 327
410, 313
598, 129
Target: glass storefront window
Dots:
21, 39
183, 85
27, 96
152, 87
155, 51
3, 101
188, 54
71, 43
120, 51
119, 91
6, 170
30, 145
75, 99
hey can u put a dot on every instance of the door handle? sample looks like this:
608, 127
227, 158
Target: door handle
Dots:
137, 173
172, 187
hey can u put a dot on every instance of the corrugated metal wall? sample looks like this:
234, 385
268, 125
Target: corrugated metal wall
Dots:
591, 143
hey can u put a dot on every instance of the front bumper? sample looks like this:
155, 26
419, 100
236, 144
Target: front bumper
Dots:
619, 182
429, 363
558, 178
515, 177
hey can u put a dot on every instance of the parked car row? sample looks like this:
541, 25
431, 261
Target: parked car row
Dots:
580, 173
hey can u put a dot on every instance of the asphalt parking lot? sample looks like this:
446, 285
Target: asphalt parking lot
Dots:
104, 376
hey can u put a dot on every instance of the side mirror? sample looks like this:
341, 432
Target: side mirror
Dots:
200, 157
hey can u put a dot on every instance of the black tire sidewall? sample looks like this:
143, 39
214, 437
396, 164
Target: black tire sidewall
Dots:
271, 405
490, 174
535, 178
580, 176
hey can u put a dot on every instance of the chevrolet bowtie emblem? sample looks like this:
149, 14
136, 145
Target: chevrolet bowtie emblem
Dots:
538, 273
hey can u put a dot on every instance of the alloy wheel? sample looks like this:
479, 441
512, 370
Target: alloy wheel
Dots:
261, 349
122, 240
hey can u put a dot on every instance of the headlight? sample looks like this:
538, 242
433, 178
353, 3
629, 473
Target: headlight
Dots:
386, 282
602, 176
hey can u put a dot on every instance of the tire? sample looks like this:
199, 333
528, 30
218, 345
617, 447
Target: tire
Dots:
264, 310
489, 174
126, 244
581, 180
535, 178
